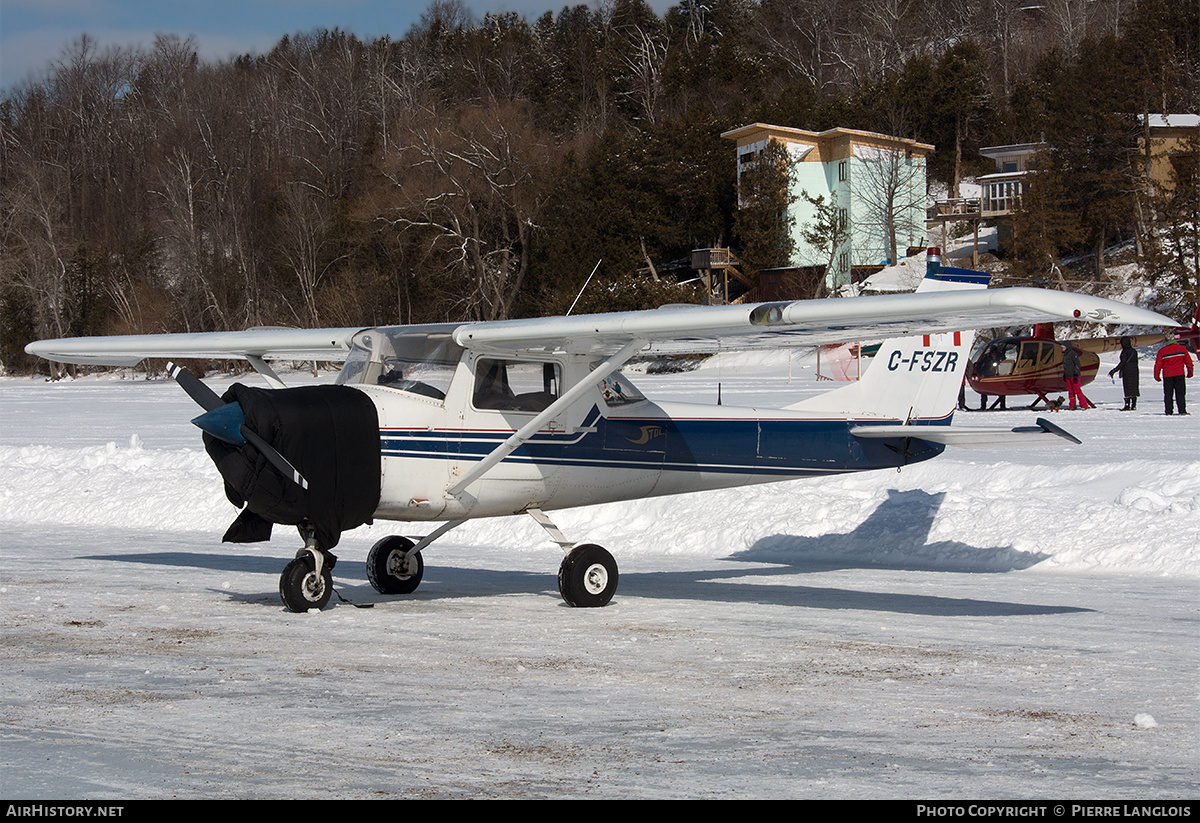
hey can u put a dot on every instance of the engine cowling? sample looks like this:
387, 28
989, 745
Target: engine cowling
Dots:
330, 434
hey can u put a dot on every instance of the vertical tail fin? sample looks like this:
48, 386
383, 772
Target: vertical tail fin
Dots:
912, 379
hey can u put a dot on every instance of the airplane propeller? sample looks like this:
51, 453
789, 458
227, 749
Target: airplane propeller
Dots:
226, 421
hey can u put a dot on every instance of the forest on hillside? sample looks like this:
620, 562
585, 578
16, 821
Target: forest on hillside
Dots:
480, 168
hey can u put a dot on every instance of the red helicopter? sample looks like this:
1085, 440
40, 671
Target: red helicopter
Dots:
1015, 366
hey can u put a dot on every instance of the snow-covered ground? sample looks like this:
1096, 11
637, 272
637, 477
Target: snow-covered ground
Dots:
986, 625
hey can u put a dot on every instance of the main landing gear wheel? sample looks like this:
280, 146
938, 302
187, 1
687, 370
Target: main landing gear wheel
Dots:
587, 576
391, 570
302, 588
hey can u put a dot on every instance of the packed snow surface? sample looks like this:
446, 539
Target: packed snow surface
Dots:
1002, 624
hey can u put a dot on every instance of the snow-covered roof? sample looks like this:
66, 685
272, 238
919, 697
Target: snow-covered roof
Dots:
1174, 121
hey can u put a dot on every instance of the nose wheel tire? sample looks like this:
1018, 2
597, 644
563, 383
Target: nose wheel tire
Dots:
391, 569
587, 576
302, 588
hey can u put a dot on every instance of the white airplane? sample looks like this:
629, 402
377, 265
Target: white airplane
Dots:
456, 421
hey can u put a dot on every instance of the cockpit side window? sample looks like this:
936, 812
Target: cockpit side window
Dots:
515, 385
1030, 352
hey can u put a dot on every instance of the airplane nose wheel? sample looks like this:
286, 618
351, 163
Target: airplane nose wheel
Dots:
587, 576
302, 587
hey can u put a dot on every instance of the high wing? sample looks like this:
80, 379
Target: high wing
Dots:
669, 329
268, 343
801, 322
948, 299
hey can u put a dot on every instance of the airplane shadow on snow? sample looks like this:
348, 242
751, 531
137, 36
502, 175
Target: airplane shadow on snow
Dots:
894, 536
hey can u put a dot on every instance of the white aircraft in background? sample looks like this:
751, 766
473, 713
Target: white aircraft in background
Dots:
456, 421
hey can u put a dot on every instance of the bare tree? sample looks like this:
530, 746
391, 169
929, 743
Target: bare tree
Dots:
1067, 23
469, 188
323, 104
889, 192
34, 254
68, 173
808, 37
885, 35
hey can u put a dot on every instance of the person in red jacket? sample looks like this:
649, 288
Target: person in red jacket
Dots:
1169, 368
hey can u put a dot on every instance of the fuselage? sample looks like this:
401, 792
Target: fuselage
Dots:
608, 446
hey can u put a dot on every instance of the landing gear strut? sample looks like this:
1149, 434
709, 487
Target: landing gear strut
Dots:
587, 577
588, 574
307, 581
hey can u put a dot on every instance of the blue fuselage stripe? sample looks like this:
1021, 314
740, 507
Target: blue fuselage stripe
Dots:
742, 446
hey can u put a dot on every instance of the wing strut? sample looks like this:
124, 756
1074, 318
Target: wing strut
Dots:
534, 426
266, 371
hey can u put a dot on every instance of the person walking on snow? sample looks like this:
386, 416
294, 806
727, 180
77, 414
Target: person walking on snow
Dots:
1072, 371
1128, 367
1169, 368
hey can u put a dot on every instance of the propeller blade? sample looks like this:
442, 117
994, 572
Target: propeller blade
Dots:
275, 458
210, 401
198, 391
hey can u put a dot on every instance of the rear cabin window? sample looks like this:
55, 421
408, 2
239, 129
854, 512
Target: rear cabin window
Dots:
1039, 353
618, 391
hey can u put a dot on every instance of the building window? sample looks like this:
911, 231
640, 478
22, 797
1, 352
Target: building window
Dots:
1004, 195
842, 171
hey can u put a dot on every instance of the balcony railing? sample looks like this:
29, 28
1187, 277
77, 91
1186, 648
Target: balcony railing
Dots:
954, 206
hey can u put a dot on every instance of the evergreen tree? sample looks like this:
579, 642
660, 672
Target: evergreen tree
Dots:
764, 221
962, 105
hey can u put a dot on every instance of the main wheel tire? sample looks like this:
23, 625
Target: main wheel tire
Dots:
587, 576
302, 588
391, 569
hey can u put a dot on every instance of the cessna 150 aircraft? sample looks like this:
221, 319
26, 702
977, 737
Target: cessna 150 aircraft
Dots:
456, 421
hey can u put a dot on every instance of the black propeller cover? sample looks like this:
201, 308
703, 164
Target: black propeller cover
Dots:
330, 434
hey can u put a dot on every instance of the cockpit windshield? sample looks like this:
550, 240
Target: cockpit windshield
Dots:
421, 361
998, 359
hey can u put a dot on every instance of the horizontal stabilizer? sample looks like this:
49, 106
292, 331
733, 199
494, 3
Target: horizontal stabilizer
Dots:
969, 438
